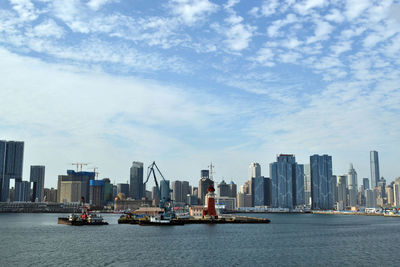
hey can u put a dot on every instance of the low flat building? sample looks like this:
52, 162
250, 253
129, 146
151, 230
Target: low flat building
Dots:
196, 211
151, 211
131, 204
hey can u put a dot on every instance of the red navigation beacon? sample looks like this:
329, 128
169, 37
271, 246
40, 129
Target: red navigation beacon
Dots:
210, 210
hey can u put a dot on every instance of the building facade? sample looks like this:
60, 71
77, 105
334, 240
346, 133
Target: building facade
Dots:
11, 165
254, 170
136, 186
37, 180
321, 182
22, 191
287, 182
73, 186
374, 164
261, 191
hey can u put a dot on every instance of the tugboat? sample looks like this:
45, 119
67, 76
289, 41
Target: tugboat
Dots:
86, 218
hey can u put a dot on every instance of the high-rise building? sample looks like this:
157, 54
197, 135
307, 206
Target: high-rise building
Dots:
108, 191
75, 185
96, 194
389, 195
352, 180
37, 179
205, 174
342, 190
335, 188
204, 183
396, 192
185, 191
177, 191
223, 190
261, 191
254, 170
370, 198
50, 195
307, 184
155, 196
11, 165
374, 164
321, 182
233, 189
165, 191
136, 186
365, 183
22, 191
123, 188
243, 200
287, 179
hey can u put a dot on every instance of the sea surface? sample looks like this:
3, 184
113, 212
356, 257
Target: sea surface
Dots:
289, 240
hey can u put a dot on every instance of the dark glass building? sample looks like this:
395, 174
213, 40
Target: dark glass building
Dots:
37, 179
287, 182
136, 187
261, 191
321, 182
11, 165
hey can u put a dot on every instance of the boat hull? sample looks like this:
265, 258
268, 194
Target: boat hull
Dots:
79, 222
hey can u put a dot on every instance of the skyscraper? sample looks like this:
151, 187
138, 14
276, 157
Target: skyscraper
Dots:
123, 188
261, 191
22, 191
223, 189
321, 182
287, 179
254, 170
365, 183
11, 165
136, 181
165, 191
342, 190
177, 191
374, 164
37, 178
204, 183
307, 184
75, 185
352, 181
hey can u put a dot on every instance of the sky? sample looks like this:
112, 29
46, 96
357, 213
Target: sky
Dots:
185, 83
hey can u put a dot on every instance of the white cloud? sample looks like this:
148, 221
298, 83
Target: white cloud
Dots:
239, 36
321, 32
304, 7
289, 57
269, 7
48, 28
354, 8
191, 11
97, 4
25, 9
265, 56
273, 30
341, 47
335, 16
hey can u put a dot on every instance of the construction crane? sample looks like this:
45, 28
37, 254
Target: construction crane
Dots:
96, 173
165, 203
79, 164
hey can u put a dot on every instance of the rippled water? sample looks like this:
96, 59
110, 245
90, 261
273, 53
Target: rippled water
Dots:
290, 240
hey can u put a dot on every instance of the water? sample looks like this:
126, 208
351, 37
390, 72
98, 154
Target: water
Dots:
290, 240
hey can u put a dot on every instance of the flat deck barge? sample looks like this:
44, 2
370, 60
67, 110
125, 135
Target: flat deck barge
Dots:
221, 220
62, 220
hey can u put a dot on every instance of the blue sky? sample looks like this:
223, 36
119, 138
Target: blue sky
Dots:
189, 82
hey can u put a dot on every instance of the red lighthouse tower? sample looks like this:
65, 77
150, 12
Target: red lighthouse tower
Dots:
210, 210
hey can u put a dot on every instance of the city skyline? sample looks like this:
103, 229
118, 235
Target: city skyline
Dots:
184, 83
